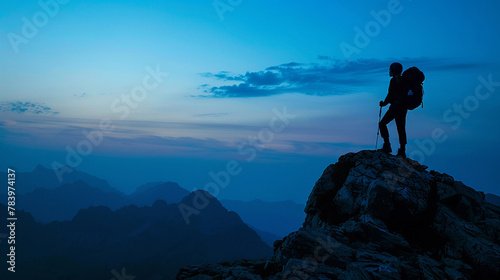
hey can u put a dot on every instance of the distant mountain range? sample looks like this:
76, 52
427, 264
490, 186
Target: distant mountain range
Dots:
49, 200
44, 178
493, 199
147, 194
279, 218
63, 202
149, 241
267, 237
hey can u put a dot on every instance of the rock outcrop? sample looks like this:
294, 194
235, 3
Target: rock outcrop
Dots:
376, 216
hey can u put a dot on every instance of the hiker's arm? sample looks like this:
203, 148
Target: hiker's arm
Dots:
390, 95
385, 101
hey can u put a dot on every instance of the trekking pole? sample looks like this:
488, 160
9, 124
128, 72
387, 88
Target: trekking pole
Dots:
378, 130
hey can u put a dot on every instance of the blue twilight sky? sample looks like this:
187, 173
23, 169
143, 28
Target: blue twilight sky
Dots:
282, 88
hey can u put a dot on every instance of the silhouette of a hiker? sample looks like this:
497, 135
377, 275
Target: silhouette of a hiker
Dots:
397, 111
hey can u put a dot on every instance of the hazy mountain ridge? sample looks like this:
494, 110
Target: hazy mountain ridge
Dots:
271, 220
146, 195
279, 218
493, 199
148, 240
63, 202
45, 178
267, 237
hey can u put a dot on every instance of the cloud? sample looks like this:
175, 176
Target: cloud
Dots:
155, 138
27, 108
328, 77
8, 123
211, 115
81, 95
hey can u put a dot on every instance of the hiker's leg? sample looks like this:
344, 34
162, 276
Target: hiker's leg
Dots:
401, 126
388, 117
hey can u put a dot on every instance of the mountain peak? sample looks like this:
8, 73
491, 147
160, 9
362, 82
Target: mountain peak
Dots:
160, 184
39, 168
336, 196
377, 216
201, 199
45, 178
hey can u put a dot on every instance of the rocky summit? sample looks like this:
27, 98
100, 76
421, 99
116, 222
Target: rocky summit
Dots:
376, 216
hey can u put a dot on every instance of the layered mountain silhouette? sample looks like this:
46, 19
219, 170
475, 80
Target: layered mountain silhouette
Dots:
267, 237
63, 202
271, 220
147, 194
279, 218
152, 242
493, 199
44, 178
376, 216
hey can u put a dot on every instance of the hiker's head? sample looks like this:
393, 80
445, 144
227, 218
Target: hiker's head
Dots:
396, 69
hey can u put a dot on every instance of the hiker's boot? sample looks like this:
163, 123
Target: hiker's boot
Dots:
386, 148
401, 153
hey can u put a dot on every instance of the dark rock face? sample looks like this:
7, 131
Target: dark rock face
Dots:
375, 216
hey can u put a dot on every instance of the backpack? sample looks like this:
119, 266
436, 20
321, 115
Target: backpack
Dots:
413, 90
